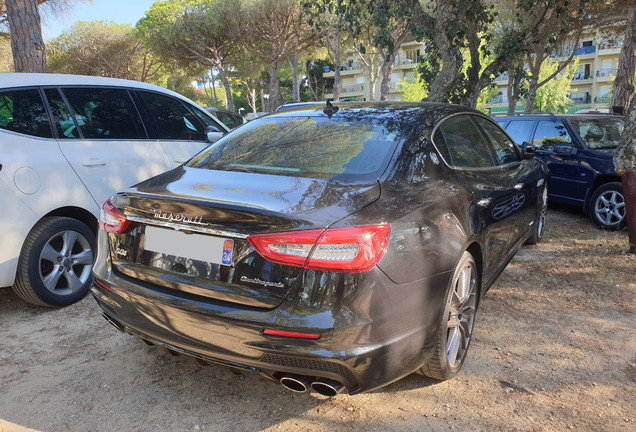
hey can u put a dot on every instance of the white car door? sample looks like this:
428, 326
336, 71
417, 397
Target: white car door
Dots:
180, 127
106, 143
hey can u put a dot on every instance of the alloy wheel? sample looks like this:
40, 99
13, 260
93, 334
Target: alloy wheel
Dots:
609, 207
461, 315
65, 262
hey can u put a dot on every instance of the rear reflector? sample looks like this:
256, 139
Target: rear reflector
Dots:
349, 250
280, 333
102, 284
111, 219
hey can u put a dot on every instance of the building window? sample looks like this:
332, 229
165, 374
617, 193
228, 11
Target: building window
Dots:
412, 56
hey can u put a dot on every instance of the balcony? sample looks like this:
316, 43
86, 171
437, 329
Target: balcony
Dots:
585, 50
497, 100
406, 63
502, 77
610, 46
605, 99
582, 76
581, 98
358, 88
606, 72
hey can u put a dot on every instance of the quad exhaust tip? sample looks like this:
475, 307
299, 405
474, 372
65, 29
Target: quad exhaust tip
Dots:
302, 384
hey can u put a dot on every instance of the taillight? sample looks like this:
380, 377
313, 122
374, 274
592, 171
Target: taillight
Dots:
111, 219
350, 250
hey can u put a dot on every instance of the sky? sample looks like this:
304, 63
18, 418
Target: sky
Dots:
118, 11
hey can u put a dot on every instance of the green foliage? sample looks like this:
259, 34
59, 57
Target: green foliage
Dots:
485, 95
412, 90
102, 48
553, 96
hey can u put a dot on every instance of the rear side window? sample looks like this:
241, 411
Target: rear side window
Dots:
23, 112
311, 147
599, 133
465, 145
172, 119
550, 133
520, 130
62, 118
105, 113
228, 119
505, 149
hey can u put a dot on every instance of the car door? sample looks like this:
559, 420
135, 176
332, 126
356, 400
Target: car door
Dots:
524, 173
497, 189
102, 136
179, 127
554, 145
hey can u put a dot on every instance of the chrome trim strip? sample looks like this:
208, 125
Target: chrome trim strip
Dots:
193, 228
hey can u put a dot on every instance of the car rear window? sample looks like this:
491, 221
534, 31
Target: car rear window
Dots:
300, 146
599, 133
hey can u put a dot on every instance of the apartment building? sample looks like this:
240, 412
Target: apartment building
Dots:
598, 51
354, 80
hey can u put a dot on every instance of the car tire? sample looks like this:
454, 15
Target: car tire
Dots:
538, 226
458, 319
55, 267
607, 207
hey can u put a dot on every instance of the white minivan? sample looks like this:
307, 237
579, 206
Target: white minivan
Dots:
67, 143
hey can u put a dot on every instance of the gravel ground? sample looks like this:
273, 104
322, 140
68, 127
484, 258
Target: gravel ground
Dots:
554, 349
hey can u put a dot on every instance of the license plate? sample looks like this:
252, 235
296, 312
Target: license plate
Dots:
215, 250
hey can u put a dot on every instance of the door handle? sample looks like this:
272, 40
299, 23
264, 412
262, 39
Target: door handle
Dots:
93, 162
484, 202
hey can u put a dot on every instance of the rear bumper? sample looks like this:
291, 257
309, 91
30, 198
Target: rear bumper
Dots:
378, 335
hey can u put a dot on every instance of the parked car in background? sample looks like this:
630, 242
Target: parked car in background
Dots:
229, 118
333, 248
578, 150
66, 144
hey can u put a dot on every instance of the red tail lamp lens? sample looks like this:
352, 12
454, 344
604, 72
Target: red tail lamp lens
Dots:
112, 220
349, 250
292, 335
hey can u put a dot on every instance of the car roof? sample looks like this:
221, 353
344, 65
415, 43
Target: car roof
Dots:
16, 80
552, 115
371, 108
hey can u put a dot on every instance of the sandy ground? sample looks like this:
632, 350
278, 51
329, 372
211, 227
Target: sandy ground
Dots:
554, 349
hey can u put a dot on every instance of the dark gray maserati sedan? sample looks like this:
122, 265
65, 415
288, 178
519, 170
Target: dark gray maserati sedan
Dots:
331, 249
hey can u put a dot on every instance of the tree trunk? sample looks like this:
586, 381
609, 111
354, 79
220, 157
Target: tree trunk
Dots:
336, 58
29, 52
274, 84
293, 64
451, 57
229, 103
625, 163
511, 94
385, 84
532, 91
623, 90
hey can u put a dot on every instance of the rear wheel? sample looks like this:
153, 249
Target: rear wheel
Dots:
458, 319
56, 263
539, 224
607, 207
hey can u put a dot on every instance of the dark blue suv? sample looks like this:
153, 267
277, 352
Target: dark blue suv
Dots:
578, 150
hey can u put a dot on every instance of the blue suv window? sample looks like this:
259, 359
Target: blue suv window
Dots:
599, 133
550, 133
520, 130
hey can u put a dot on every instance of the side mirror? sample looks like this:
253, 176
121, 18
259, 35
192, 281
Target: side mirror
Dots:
528, 150
564, 149
212, 134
